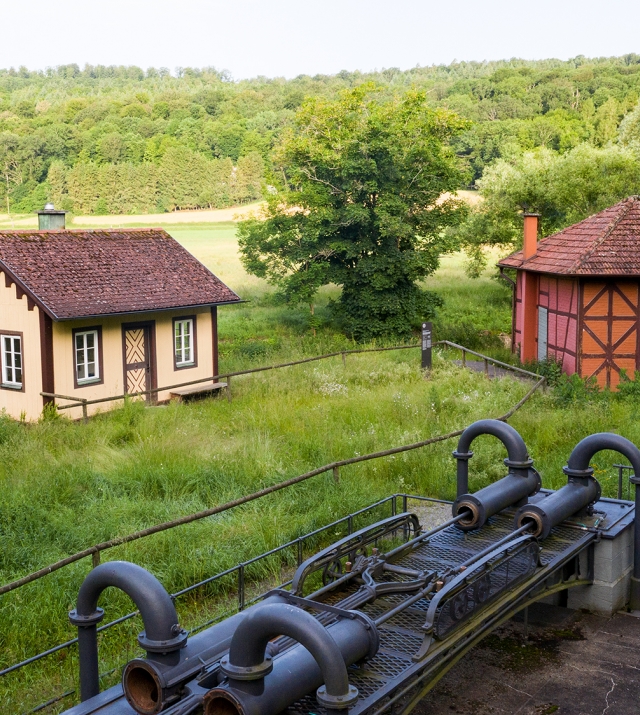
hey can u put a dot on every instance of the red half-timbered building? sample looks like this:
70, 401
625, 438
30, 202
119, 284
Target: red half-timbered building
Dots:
577, 294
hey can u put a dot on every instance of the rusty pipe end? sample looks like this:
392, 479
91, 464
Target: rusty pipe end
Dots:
143, 687
222, 702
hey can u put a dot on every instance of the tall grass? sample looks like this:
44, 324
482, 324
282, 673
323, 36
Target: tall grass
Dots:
65, 486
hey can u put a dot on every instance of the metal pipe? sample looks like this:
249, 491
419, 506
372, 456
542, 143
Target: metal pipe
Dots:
150, 686
579, 463
518, 457
162, 634
521, 482
258, 685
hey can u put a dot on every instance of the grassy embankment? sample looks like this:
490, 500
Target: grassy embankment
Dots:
65, 486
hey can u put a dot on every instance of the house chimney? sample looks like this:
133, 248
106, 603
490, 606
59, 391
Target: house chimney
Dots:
530, 244
48, 217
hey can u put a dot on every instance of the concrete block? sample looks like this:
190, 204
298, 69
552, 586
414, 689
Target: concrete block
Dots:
612, 557
602, 597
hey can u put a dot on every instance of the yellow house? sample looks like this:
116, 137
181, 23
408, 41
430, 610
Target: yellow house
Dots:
100, 313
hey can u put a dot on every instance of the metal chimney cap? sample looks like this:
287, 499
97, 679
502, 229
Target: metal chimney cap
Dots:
49, 208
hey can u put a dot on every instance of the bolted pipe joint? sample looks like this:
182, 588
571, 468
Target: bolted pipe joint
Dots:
522, 481
162, 634
259, 685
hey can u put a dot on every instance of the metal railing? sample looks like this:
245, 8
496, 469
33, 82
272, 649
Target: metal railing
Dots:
84, 403
94, 551
397, 502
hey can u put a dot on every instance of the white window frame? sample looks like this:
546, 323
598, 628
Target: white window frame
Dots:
184, 356
84, 353
12, 382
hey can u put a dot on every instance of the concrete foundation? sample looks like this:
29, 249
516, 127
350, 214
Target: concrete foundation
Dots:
613, 563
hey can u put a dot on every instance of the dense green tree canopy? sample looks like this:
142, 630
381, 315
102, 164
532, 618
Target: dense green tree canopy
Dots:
357, 201
563, 188
121, 121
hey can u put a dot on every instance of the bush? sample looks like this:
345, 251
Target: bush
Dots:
551, 368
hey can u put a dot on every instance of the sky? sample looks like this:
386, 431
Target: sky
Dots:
277, 38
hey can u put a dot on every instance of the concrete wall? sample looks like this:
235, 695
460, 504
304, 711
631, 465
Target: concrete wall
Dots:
113, 359
15, 316
613, 564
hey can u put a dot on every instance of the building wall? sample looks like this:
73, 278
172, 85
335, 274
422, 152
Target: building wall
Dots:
561, 298
609, 329
15, 316
113, 356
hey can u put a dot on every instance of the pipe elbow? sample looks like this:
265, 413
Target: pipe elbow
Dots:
583, 452
162, 633
248, 659
518, 456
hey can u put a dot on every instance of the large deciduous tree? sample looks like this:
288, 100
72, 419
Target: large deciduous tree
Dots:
359, 199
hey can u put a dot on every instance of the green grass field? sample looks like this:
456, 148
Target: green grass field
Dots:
65, 486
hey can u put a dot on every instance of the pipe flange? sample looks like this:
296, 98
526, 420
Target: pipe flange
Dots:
534, 518
634, 479
579, 473
154, 646
462, 455
468, 523
336, 702
246, 672
372, 632
514, 464
81, 620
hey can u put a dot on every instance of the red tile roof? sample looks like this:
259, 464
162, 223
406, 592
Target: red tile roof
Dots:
607, 243
80, 273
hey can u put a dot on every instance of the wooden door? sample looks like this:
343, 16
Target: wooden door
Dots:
609, 330
138, 359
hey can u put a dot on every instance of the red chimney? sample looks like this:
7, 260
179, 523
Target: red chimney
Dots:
530, 244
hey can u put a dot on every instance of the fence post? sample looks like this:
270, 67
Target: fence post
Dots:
229, 389
95, 559
464, 358
344, 359
426, 345
486, 367
85, 414
336, 474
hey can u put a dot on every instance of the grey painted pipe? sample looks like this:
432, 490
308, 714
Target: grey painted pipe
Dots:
259, 686
521, 482
149, 684
162, 633
518, 457
554, 509
579, 460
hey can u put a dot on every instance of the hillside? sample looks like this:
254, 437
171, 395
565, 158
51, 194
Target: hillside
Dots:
103, 140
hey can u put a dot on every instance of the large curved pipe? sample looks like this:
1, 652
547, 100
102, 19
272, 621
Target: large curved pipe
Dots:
248, 660
162, 634
579, 462
514, 489
259, 686
518, 456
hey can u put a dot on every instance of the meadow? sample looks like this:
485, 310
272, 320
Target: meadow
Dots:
67, 485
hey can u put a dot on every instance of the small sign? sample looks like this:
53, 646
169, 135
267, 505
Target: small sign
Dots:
426, 345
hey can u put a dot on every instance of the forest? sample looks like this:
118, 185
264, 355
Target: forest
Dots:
125, 140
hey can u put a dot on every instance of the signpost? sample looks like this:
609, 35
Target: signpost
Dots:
426, 345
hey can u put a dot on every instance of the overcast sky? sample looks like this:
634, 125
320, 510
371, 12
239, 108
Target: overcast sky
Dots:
292, 37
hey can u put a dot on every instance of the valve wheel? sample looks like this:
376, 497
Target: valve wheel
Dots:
331, 572
458, 607
482, 589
